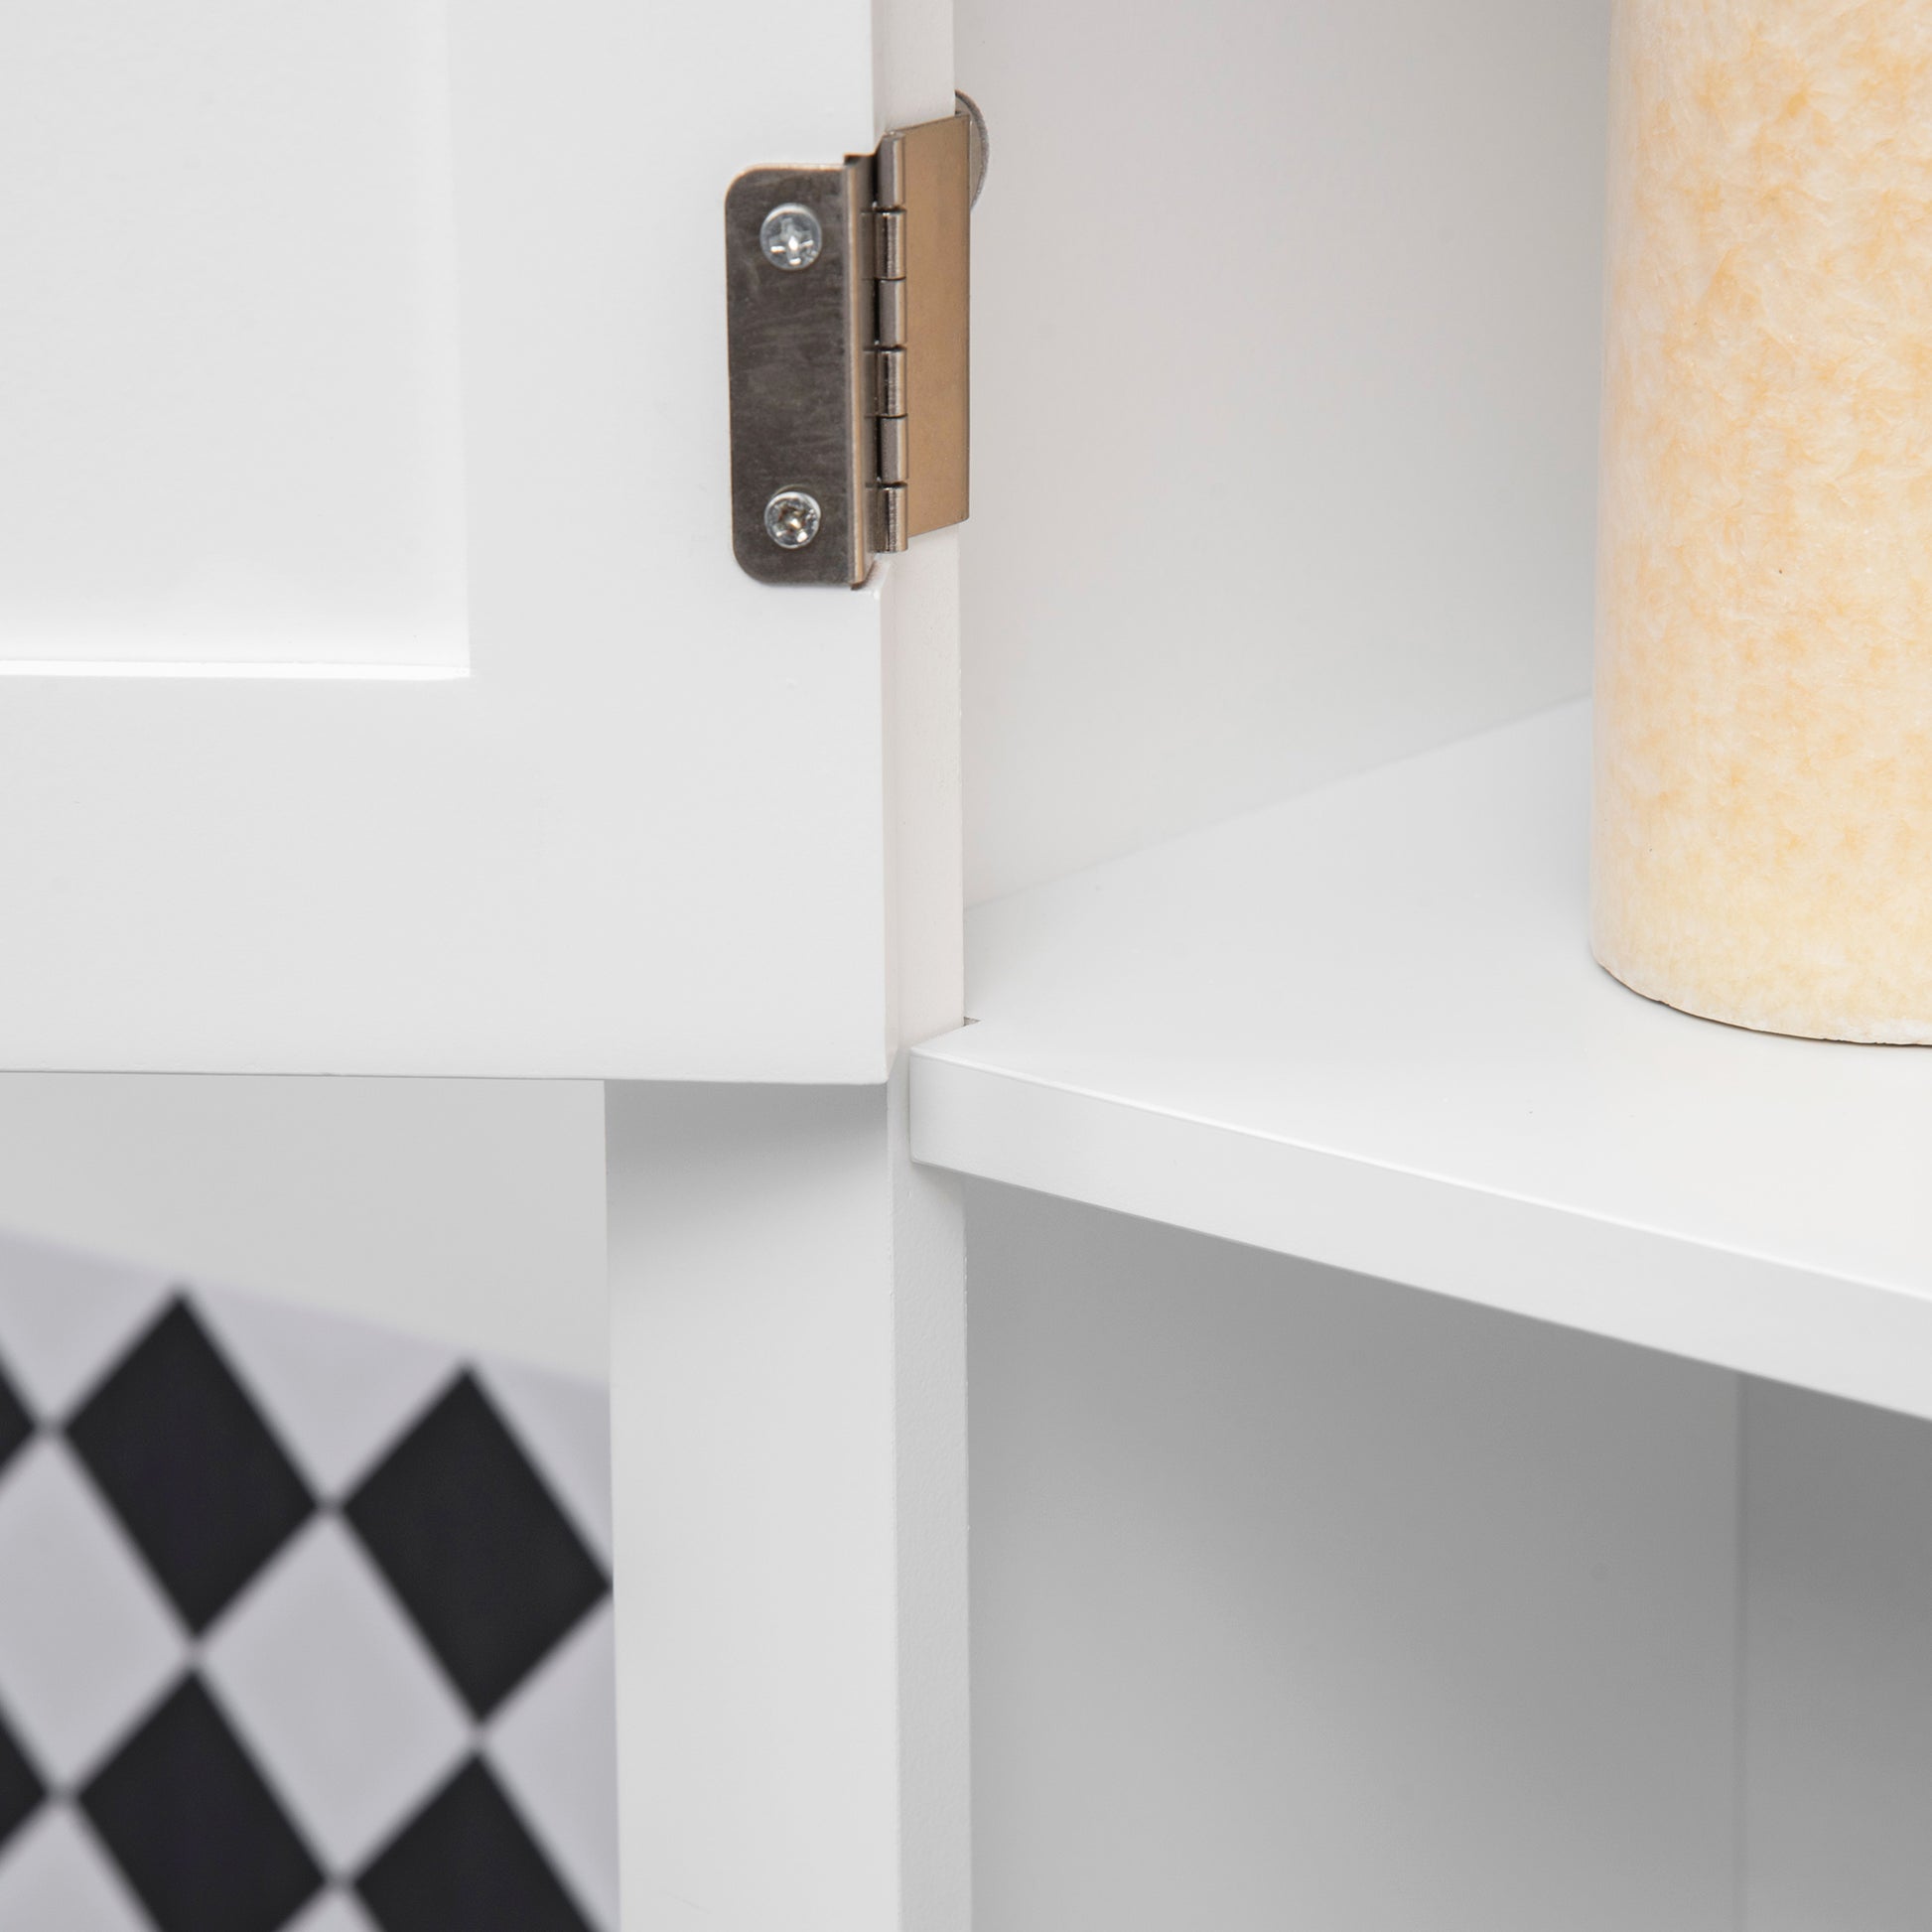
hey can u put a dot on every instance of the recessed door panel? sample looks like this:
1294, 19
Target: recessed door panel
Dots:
229, 367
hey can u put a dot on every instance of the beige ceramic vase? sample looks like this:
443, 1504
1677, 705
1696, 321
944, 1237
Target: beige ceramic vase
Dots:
1762, 849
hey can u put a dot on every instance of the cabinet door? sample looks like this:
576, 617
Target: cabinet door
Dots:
377, 688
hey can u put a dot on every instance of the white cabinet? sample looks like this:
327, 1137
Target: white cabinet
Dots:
378, 694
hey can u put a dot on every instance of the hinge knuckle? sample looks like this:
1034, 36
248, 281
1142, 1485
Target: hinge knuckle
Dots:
891, 364
888, 172
888, 244
894, 450
889, 525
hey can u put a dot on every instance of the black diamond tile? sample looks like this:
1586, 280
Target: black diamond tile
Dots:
197, 1832
180, 1452
20, 1787
16, 1424
472, 1543
465, 1863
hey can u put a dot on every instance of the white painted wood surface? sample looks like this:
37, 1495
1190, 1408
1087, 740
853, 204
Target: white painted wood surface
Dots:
1365, 1027
633, 820
1301, 1601
789, 1418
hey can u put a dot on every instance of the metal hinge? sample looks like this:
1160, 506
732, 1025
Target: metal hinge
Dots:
847, 303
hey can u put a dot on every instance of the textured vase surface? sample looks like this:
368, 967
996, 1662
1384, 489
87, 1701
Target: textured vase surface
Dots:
1762, 842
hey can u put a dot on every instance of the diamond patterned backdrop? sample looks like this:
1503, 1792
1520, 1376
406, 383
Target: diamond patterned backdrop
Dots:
302, 1624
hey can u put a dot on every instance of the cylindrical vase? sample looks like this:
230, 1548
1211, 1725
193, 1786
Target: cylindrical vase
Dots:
1762, 838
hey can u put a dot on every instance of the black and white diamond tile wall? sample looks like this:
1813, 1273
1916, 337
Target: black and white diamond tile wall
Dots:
20, 1787
469, 1540
303, 1626
16, 1424
192, 1824
192, 1471
503, 1882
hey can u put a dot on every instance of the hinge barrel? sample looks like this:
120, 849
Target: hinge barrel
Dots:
928, 176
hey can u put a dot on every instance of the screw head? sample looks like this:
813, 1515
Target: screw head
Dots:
792, 238
791, 520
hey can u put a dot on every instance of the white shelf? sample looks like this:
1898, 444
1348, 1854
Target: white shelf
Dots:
1365, 1027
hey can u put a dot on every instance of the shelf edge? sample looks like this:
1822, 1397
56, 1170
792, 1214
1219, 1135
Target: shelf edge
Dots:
1861, 1340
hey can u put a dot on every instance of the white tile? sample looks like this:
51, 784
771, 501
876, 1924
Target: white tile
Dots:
55, 1878
322, 1675
66, 1316
564, 1425
86, 1641
333, 1911
555, 1747
336, 1391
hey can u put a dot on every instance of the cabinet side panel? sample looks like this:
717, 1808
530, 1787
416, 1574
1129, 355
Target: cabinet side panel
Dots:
788, 1401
